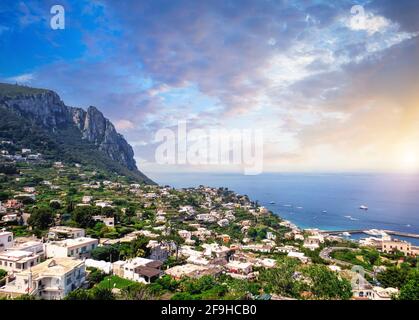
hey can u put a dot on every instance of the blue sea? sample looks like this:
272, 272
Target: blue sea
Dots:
324, 201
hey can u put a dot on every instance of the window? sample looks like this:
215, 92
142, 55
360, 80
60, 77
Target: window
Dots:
9, 239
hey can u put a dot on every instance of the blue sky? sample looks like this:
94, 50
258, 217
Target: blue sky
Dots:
330, 94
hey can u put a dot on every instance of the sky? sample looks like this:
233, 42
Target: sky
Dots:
333, 85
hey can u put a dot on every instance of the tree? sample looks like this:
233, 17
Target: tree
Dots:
41, 218
4, 195
325, 284
100, 293
79, 294
106, 253
95, 276
55, 205
393, 277
280, 280
96, 293
175, 238
410, 291
3, 273
83, 216
137, 291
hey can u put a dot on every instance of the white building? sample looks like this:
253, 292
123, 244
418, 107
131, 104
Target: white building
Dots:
77, 248
138, 269
62, 232
34, 246
52, 279
103, 204
270, 236
109, 222
18, 260
298, 255
239, 270
87, 199
6, 240
312, 242
9, 218
185, 234
223, 222
104, 266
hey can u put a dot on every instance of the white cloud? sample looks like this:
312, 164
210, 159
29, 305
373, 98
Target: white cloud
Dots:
22, 79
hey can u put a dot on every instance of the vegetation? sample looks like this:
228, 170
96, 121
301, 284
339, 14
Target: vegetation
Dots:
41, 218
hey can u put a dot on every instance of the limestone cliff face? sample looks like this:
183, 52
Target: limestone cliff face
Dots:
100, 131
45, 107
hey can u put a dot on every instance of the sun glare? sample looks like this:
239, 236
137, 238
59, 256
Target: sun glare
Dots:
410, 160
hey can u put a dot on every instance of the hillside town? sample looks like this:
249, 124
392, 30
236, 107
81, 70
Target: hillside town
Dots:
70, 232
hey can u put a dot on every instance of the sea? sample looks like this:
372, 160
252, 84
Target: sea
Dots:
328, 201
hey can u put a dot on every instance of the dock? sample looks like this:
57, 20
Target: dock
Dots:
389, 232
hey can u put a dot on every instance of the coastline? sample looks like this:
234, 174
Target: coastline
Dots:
325, 202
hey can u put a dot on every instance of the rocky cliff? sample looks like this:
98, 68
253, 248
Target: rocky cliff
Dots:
46, 109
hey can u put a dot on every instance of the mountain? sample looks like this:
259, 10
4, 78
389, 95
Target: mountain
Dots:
38, 119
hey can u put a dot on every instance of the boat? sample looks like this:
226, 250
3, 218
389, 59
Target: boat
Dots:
272, 202
346, 234
363, 207
324, 211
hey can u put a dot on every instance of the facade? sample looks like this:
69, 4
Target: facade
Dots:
18, 260
34, 246
312, 242
6, 240
52, 279
62, 232
240, 270
390, 246
9, 217
138, 269
159, 251
109, 222
77, 248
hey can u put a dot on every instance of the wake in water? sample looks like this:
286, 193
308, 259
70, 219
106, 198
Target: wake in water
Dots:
351, 218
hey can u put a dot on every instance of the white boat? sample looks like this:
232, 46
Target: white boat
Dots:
363, 207
346, 234
272, 202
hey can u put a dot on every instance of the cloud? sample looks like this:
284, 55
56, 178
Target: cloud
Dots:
297, 69
22, 79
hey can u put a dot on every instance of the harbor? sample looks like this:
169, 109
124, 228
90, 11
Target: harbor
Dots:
358, 231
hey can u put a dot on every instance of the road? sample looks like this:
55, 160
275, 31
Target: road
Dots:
325, 255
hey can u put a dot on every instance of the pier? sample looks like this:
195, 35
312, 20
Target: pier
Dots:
389, 232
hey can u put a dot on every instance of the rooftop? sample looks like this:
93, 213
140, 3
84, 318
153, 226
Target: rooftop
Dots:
73, 242
64, 229
54, 267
